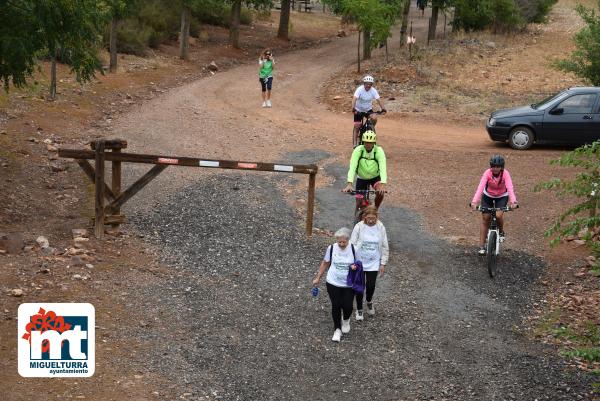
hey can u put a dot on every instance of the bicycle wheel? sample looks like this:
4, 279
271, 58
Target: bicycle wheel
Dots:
491, 253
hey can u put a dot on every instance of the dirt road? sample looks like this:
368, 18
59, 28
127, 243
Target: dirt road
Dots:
244, 325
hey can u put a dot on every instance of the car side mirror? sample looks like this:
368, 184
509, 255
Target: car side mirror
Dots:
557, 111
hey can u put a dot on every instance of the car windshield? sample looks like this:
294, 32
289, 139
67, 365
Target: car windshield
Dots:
546, 102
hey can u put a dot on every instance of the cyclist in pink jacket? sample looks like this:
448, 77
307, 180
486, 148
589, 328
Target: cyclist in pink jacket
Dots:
495, 190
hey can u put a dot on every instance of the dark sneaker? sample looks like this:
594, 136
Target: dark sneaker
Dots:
502, 236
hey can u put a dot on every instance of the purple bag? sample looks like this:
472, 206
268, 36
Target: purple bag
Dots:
356, 278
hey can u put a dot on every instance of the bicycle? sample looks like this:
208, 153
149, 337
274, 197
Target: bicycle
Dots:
366, 124
493, 241
364, 195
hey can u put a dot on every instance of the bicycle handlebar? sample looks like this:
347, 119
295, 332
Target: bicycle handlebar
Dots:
366, 114
490, 209
363, 191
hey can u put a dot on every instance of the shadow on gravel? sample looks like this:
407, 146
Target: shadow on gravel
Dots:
236, 321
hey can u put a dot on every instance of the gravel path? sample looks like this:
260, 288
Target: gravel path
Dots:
247, 328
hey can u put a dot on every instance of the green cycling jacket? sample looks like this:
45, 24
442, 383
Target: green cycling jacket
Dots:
368, 164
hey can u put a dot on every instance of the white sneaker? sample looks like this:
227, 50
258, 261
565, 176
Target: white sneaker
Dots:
269, 103
359, 315
264, 104
370, 308
337, 335
346, 326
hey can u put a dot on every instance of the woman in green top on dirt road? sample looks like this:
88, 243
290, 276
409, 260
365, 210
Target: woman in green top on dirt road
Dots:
369, 166
265, 76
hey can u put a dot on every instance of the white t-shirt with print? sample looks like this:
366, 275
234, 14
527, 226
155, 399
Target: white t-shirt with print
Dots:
338, 270
364, 98
368, 253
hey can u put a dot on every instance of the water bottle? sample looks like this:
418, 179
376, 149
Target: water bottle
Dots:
315, 292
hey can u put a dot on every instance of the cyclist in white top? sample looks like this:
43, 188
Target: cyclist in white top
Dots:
362, 102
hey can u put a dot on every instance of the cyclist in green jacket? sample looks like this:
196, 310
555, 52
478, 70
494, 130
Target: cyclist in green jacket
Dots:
369, 166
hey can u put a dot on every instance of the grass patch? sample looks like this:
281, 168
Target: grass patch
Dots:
548, 323
588, 334
4, 99
587, 354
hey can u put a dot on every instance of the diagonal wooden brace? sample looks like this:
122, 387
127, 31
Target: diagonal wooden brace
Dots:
135, 188
89, 171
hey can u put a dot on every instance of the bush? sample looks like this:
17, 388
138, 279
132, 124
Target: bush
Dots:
219, 15
475, 15
582, 217
262, 14
507, 16
536, 10
543, 8
156, 38
585, 60
246, 17
471, 15
133, 38
160, 17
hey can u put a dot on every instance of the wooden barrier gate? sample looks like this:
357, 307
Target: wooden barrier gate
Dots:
111, 213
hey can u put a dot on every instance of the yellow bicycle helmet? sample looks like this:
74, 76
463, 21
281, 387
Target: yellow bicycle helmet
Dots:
369, 136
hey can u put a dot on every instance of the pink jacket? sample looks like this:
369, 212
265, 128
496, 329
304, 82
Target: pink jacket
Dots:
495, 187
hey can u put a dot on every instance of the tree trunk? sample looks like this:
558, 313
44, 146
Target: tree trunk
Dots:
433, 22
234, 27
387, 59
366, 44
53, 55
113, 45
404, 25
184, 43
358, 52
284, 20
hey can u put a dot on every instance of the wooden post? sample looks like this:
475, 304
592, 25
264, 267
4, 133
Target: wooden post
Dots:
99, 223
116, 179
310, 207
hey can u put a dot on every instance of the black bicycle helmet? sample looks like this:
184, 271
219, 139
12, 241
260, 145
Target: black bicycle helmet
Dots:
497, 160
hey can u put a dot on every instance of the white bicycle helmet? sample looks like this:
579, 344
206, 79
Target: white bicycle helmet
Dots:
368, 79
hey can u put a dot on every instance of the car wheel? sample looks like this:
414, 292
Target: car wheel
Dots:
520, 138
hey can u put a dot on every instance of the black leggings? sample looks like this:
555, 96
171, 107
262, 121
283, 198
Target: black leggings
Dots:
341, 300
370, 280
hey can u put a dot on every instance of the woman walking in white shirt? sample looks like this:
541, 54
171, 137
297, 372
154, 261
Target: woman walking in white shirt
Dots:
337, 261
370, 239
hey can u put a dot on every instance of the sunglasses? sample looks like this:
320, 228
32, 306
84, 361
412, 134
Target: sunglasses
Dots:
495, 166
